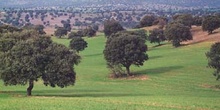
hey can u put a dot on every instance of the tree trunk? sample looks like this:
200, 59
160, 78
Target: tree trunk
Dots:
31, 86
128, 70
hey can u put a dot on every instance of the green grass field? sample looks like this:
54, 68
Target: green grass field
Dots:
173, 78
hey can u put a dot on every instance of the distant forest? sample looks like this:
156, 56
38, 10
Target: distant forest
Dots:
37, 3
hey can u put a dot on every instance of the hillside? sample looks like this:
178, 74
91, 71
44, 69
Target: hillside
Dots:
174, 79
37, 3
201, 36
198, 35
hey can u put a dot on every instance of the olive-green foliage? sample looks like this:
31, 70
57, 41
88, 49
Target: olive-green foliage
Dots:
40, 29
156, 36
111, 27
214, 59
72, 34
37, 28
177, 32
141, 33
210, 23
197, 20
8, 28
31, 57
89, 32
147, 21
125, 49
78, 44
60, 31
185, 19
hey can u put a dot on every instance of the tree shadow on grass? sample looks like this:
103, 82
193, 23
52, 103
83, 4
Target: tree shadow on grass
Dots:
154, 57
104, 94
91, 55
72, 93
159, 70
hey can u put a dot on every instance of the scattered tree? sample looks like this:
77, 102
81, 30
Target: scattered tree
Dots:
214, 58
78, 44
37, 57
60, 32
73, 35
147, 21
197, 21
210, 23
39, 29
177, 32
111, 27
185, 19
89, 32
156, 36
124, 50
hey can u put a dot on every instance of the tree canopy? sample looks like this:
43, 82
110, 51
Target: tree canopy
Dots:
210, 23
78, 44
147, 21
213, 56
125, 50
177, 32
185, 19
32, 57
156, 36
111, 27
60, 31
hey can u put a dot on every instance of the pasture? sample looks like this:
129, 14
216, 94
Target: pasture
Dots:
172, 79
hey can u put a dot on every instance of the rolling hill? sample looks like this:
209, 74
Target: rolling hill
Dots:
37, 3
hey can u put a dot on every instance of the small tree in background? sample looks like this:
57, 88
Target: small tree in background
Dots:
72, 35
156, 36
185, 19
89, 32
214, 59
147, 21
177, 32
125, 50
60, 32
197, 20
40, 29
111, 27
210, 23
79, 33
78, 44
95, 27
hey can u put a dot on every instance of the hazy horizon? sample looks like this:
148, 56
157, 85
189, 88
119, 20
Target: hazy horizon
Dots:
37, 3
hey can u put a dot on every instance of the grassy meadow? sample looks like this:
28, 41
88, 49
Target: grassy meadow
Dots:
172, 79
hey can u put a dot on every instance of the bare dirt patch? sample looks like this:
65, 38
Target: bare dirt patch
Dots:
150, 27
202, 36
215, 87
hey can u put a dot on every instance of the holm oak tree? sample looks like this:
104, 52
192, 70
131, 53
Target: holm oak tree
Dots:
125, 50
214, 59
34, 58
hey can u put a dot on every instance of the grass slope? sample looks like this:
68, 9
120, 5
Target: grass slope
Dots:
177, 79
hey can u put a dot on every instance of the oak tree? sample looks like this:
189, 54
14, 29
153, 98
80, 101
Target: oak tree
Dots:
111, 27
210, 23
213, 56
156, 36
177, 33
78, 44
33, 57
125, 50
